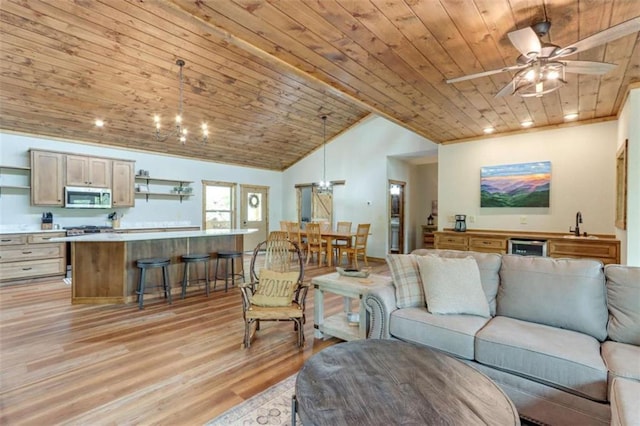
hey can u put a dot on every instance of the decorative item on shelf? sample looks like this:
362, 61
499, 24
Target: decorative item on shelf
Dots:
180, 132
178, 189
430, 220
324, 186
144, 173
356, 273
187, 190
142, 188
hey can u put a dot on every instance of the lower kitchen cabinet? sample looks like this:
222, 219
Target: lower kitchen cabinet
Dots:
25, 256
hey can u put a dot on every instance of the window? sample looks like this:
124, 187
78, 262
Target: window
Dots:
218, 205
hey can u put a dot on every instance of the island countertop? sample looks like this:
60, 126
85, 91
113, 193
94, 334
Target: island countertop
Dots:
146, 236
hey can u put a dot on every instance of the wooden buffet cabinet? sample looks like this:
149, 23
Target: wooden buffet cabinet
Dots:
601, 247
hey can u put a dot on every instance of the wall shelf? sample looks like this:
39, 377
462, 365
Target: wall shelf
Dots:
5, 170
162, 181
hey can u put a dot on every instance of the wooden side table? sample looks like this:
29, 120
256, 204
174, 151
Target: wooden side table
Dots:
351, 288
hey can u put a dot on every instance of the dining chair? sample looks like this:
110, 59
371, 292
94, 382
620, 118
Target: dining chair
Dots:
359, 247
342, 228
293, 232
315, 242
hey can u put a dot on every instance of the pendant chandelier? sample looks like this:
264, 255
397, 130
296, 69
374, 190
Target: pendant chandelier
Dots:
324, 187
180, 132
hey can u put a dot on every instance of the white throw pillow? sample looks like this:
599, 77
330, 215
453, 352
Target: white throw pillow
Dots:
453, 286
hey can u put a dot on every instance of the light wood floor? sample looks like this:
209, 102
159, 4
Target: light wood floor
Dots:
173, 365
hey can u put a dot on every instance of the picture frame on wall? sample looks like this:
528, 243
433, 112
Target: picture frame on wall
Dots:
621, 186
516, 185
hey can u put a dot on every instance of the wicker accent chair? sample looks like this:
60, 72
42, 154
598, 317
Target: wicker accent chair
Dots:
359, 247
275, 256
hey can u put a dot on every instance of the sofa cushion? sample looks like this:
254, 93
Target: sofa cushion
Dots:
488, 264
451, 333
621, 359
406, 280
625, 409
452, 286
623, 299
563, 293
560, 358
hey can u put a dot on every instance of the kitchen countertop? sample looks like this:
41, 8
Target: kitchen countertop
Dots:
531, 235
22, 229
145, 236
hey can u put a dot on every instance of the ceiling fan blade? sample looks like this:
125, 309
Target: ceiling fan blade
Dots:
610, 34
526, 41
509, 89
588, 67
486, 73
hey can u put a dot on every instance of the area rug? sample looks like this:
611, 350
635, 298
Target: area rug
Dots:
270, 407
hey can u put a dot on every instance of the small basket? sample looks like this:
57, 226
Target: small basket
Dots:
356, 273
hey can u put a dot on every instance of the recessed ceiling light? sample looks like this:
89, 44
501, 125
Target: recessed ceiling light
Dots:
571, 116
489, 130
99, 123
528, 123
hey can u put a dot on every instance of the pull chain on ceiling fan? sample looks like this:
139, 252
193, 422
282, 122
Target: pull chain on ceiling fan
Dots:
539, 67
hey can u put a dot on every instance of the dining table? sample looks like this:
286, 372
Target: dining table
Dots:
330, 236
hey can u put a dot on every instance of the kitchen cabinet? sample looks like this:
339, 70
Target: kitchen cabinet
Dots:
603, 247
25, 256
159, 187
608, 251
47, 178
88, 171
123, 183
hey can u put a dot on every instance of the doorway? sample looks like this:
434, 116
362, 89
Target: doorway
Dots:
314, 205
396, 216
254, 213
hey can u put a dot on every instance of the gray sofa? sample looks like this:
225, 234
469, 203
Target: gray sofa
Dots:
562, 338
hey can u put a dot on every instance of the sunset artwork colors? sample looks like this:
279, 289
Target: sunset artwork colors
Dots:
515, 185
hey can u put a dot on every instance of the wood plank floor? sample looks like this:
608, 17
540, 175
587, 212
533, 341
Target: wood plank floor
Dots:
107, 364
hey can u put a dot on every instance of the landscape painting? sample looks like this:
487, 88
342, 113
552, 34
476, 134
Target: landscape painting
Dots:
515, 185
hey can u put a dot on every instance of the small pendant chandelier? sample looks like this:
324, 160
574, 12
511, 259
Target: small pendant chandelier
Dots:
180, 132
324, 187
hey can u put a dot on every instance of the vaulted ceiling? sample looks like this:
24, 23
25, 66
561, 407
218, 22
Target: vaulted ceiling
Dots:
261, 74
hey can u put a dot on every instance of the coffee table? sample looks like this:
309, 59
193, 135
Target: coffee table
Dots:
351, 288
385, 382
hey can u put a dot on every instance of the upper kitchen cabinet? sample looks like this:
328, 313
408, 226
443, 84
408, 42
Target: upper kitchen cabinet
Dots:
47, 178
123, 183
88, 171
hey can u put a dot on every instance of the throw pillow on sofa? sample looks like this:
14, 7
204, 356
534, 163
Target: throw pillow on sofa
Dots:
452, 286
406, 279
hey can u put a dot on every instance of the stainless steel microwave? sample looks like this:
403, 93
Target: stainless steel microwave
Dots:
79, 197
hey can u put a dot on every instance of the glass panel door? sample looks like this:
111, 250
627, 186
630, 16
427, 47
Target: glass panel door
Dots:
254, 214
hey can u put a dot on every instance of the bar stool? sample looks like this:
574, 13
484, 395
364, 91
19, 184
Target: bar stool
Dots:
228, 257
194, 259
156, 262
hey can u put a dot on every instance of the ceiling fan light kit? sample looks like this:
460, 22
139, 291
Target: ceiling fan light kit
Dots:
539, 69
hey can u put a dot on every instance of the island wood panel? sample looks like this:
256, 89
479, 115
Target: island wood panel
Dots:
107, 272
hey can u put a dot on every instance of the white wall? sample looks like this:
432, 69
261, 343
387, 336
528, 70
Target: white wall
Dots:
629, 129
582, 179
359, 156
15, 204
424, 192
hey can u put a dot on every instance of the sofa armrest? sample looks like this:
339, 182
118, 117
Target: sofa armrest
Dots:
380, 302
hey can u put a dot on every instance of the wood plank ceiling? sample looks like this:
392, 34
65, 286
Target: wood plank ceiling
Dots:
262, 73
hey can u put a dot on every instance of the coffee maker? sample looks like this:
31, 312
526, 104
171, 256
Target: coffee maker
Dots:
461, 223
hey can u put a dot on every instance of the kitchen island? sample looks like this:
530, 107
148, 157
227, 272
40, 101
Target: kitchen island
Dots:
103, 266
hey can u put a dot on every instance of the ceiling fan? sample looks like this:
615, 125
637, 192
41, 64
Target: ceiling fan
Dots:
541, 70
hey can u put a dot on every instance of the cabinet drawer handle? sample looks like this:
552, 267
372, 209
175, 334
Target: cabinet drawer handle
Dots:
6, 241
46, 238
26, 269
486, 243
27, 252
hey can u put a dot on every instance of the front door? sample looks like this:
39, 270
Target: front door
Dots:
254, 213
